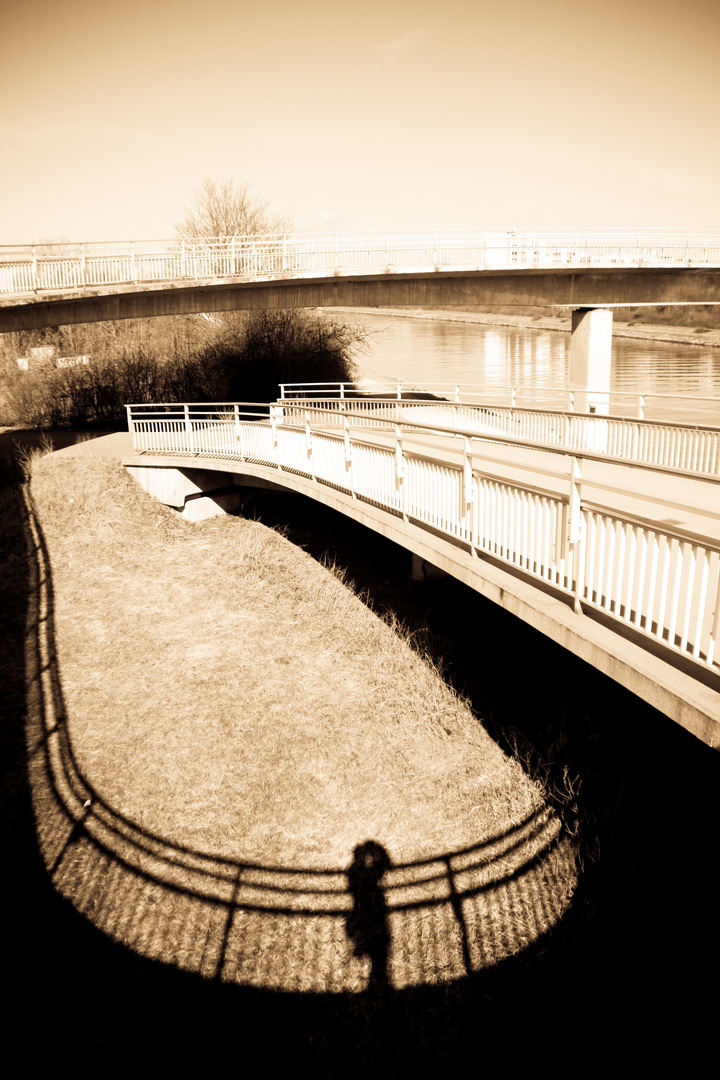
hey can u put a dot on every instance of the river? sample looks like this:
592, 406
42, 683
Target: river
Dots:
422, 352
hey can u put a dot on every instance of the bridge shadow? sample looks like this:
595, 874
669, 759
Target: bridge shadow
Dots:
121, 942
636, 791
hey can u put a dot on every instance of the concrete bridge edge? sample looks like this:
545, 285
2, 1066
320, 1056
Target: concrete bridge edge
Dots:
685, 700
571, 287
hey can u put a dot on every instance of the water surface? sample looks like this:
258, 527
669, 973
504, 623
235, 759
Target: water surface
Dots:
422, 352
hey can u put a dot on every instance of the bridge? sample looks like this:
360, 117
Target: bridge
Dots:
600, 531
590, 271
68, 283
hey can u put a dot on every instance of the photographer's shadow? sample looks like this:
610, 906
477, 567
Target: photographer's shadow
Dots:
367, 924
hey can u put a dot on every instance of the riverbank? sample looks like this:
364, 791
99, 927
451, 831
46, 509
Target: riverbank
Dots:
704, 336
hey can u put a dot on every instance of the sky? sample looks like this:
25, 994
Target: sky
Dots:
385, 114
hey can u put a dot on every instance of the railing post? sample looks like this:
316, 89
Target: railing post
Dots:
513, 397
348, 455
34, 270
236, 416
133, 268
274, 411
189, 431
309, 443
571, 402
715, 632
469, 496
574, 537
83, 267
400, 470
641, 407
183, 265
131, 425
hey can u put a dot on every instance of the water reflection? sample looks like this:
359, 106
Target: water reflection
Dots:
421, 351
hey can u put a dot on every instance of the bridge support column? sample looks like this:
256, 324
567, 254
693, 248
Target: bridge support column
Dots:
590, 359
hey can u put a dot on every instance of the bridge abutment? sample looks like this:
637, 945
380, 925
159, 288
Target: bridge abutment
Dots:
197, 494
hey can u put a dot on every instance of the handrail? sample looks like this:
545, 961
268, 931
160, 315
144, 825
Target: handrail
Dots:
684, 448
29, 269
662, 582
347, 411
466, 393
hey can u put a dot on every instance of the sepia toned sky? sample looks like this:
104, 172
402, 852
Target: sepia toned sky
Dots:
375, 115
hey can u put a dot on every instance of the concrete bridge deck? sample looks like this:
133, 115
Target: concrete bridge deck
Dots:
579, 287
641, 530
200, 485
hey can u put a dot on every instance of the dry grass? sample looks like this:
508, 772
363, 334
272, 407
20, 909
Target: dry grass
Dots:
217, 722
226, 692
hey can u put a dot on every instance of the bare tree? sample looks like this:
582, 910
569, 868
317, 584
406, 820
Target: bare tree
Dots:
225, 210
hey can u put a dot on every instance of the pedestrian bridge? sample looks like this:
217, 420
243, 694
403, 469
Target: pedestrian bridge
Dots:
599, 531
59, 284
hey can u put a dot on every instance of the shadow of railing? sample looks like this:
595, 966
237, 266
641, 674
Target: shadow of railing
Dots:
367, 926
95, 963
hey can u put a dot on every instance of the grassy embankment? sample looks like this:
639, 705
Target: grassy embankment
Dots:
219, 692
216, 702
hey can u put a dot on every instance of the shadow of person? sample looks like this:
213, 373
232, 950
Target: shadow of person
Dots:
367, 923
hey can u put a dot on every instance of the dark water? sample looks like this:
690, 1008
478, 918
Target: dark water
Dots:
422, 352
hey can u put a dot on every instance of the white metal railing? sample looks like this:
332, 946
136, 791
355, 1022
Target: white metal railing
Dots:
684, 447
690, 409
29, 269
660, 581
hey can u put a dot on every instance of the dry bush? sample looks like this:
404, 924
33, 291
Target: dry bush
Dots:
183, 358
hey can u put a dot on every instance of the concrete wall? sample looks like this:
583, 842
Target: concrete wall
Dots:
196, 493
482, 288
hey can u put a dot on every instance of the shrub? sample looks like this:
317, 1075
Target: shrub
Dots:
274, 347
184, 358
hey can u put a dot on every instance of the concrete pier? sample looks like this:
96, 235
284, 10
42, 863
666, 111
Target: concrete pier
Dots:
591, 359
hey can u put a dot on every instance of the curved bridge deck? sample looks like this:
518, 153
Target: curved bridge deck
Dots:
617, 560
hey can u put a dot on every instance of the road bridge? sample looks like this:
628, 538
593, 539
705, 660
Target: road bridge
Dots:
615, 557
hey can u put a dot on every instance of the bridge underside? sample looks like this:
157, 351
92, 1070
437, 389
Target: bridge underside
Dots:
575, 288
672, 691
